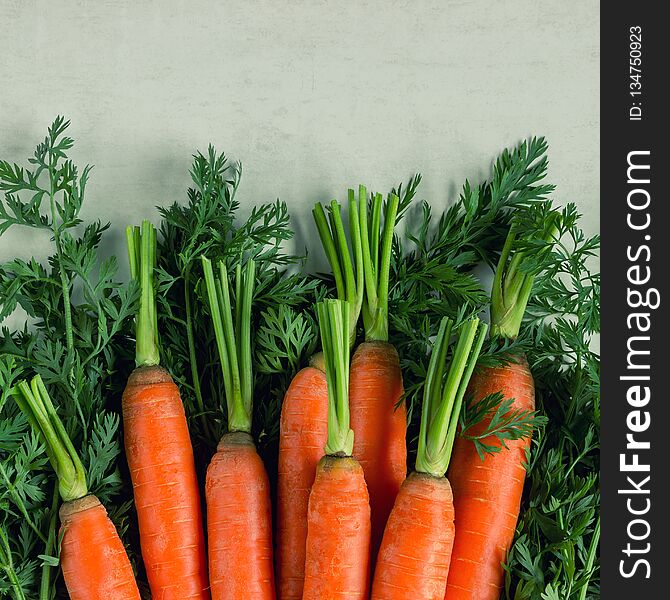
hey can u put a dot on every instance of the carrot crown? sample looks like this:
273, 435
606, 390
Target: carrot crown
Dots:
141, 242
233, 337
348, 274
363, 281
35, 403
444, 392
528, 240
377, 262
333, 318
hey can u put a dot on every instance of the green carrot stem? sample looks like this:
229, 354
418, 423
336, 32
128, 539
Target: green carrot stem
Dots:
512, 283
333, 318
141, 242
444, 393
377, 263
347, 272
36, 404
232, 331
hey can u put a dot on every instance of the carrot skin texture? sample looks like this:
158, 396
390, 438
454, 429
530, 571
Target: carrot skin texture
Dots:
165, 486
338, 533
414, 557
93, 560
239, 522
380, 429
487, 494
303, 432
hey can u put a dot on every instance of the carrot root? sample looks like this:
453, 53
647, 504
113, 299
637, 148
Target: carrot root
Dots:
165, 485
338, 532
303, 432
93, 560
487, 494
414, 557
239, 522
379, 422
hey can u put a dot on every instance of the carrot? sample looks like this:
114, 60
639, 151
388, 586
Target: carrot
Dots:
159, 452
302, 437
378, 413
92, 557
487, 493
239, 514
338, 518
379, 421
415, 553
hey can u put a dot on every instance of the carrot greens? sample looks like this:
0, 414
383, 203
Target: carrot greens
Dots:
232, 329
65, 316
141, 244
444, 392
334, 317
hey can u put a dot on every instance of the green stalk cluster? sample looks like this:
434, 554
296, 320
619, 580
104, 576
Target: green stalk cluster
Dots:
233, 337
444, 392
513, 280
141, 242
363, 281
333, 317
36, 404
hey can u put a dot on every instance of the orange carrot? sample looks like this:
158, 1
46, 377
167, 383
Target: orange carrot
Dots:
165, 486
415, 553
338, 538
378, 413
488, 489
159, 452
338, 521
93, 560
239, 521
421, 528
302, 438
379, 422
239, 512
487, 494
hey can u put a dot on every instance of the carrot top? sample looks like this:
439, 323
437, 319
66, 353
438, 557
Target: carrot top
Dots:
377, 262
233, 337
333, 318
141, 242
348, 274
363, 281
444, 392
35, 403
530, 237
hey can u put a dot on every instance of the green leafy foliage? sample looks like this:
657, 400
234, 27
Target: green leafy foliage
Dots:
431, 267
492, 417
556, 548
77, 315
283, 334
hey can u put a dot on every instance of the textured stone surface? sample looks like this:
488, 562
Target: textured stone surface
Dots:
312, 98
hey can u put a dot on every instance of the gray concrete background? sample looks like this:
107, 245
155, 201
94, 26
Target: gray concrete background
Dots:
312, 97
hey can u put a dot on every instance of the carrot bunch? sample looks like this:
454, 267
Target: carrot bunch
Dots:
93, 560
159, 452
487, 493
415, 553
337, 551
239, 513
